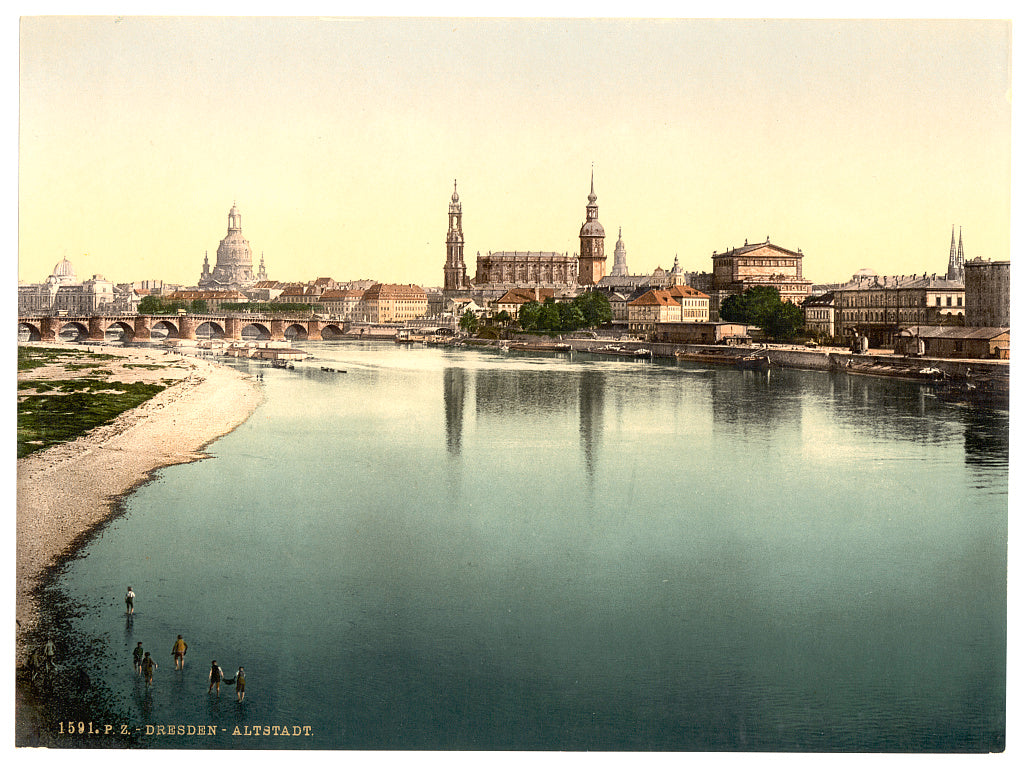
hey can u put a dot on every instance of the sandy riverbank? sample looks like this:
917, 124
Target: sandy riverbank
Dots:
66, 490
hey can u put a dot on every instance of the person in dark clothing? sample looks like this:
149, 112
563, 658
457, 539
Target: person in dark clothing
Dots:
216, 677
137, 655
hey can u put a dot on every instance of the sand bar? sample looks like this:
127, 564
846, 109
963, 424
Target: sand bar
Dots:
66, 490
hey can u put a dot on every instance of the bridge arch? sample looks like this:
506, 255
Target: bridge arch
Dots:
211, 327
257, 329
29, 331
126, 328
72, 331
331, 331
296, 332
164, 327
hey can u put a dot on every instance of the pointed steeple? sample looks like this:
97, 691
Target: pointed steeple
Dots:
455, 265
955, 270
591, 258
619, 268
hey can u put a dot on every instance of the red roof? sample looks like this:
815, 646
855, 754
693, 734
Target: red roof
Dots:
655, 298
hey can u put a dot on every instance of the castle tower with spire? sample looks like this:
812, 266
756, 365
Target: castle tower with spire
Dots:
592, 257
619, 268
455, 264
955, 270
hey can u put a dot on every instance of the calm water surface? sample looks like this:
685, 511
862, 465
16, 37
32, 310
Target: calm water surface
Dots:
445, 548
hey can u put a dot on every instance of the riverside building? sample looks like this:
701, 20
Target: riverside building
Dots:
878, 306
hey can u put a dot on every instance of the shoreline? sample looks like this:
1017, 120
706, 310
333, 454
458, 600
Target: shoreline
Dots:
66, 492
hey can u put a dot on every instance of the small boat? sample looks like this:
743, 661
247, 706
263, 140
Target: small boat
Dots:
612, 351
753, 362
887, 367
715, 358
403, 337
538, 346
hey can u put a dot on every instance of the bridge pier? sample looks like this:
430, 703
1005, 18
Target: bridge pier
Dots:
48, 329
232, 328
187, 328
276, 330
143, 328
96, 330
313, 328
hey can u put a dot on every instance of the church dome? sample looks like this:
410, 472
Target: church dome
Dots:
592, 228
64, 270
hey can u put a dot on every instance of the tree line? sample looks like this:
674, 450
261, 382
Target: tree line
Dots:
587, 310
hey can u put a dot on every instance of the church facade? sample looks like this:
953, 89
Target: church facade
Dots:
502, 271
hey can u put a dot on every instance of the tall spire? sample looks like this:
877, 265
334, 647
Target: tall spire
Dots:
455, 265
591, 258
955, 270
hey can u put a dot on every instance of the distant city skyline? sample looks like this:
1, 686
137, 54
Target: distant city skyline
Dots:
862, 143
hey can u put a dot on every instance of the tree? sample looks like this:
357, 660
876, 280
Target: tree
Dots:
503, 317
529, 314
594, 307
468, 321
198, 306
150, 305
762, 306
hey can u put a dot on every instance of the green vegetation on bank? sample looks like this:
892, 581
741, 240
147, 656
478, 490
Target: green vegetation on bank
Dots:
64, 409
587, 310
763, 307
47, 419
30, 358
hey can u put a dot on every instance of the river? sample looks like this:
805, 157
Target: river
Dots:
461, 549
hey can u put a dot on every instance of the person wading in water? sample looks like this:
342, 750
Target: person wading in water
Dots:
178, 651
216, 676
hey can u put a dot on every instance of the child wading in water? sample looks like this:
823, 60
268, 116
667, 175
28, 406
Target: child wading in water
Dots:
148, 664
137, 655
216, 676
240, 683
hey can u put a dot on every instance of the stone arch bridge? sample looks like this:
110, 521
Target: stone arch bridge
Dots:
139, 327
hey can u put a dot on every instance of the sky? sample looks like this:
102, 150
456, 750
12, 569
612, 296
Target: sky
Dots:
861, 143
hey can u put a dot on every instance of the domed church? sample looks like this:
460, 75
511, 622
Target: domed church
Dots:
234, 260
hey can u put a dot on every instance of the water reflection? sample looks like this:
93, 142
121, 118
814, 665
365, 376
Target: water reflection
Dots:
454, 404
591, 399
986, 435
751, 398
524, 392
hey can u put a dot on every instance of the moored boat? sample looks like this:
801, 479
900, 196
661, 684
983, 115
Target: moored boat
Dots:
539, 346
753, 362
715, 358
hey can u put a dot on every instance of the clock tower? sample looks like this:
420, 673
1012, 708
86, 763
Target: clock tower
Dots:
592, 258
455, 264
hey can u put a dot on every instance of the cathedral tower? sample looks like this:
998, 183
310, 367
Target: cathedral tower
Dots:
455, 264
592, 258
955, 270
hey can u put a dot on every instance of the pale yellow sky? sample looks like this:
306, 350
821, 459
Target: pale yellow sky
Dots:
860, 142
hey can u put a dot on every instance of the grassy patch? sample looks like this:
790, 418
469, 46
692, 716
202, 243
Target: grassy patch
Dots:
75, 385
47, 419
32, 357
